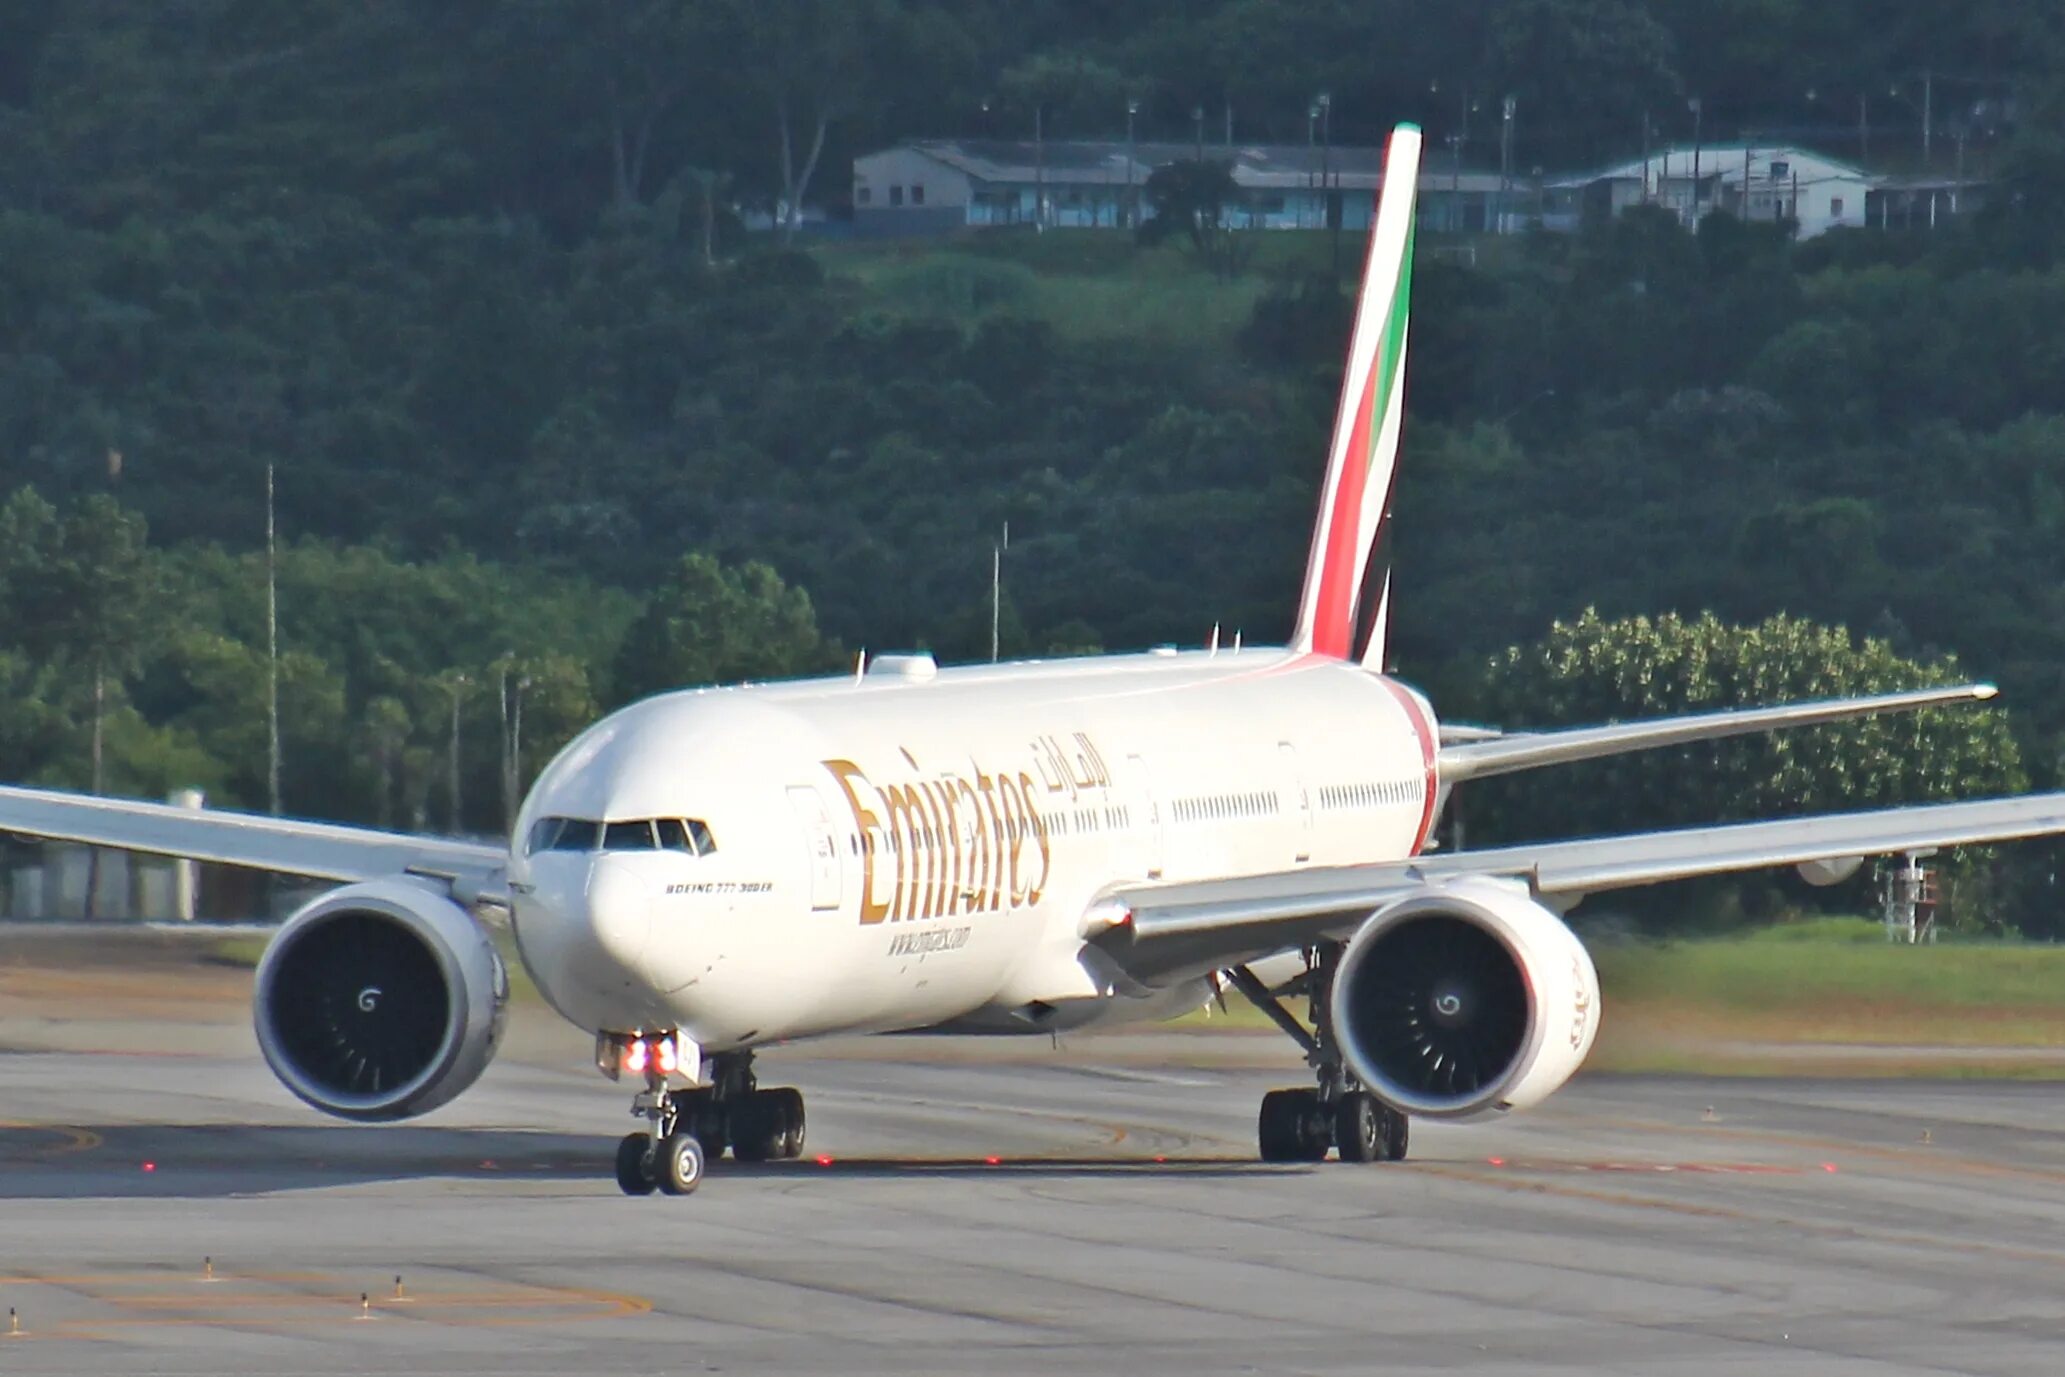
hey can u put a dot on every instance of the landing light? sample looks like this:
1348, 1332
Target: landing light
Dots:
661, 1054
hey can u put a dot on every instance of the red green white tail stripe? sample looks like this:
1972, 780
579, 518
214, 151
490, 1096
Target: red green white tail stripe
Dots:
1363, 460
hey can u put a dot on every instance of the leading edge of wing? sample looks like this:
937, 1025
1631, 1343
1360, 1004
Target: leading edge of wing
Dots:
1156, 930
1506, 754
326, 851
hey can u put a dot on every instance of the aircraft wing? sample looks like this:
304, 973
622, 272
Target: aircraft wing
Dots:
1167, 932
1473, 756
323, 850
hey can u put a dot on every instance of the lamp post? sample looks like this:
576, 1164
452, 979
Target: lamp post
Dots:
1131, 210
1039, 165
1511, 107
1698, 108
1326, 175
1311, 162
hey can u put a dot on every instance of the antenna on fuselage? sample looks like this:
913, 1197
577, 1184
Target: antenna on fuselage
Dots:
1212, 646
860, 666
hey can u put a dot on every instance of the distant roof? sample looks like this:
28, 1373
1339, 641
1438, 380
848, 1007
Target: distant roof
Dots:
1255, 166
1722, 162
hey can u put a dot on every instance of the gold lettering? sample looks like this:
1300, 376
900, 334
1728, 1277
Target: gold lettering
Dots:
902, 821
977, 876
1039, 831
846, 772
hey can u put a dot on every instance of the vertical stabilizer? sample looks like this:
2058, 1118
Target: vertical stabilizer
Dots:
1363, 460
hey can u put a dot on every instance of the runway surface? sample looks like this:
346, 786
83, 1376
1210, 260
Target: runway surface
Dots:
1654, 1226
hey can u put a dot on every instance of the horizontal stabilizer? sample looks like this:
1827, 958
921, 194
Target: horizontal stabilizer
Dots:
1506, 754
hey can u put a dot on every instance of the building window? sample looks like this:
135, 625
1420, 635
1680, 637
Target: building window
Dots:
918, 194
863, 196
896, 196
1781, 171
1835, 207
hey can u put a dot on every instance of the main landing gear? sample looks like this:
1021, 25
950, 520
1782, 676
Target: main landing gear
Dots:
686, 1130
1300, 1125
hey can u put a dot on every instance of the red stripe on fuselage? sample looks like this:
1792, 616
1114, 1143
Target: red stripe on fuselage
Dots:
1423, 728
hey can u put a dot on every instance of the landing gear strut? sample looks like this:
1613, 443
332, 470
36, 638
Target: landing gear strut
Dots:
1300, 1125
688, 1129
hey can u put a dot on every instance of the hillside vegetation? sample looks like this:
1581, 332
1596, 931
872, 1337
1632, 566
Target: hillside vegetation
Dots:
550, 426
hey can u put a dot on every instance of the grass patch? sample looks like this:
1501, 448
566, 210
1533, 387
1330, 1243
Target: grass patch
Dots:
1087, 287
1824, 997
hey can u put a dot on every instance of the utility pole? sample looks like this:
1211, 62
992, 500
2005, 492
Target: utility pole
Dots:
1645, 157
1197, 122
996, 589
1132, 109
1928, 116
1863, 127
458, 686
1326, 175
1698, 113
1040, 165
272, 650
1505, 163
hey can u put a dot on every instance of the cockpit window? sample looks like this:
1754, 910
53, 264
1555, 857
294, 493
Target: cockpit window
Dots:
642, 834
563, 834
627, 836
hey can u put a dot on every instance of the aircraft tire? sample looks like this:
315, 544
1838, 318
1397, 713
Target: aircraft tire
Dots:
634, 1168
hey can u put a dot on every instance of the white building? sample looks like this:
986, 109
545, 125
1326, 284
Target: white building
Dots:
1751, 181
933, 186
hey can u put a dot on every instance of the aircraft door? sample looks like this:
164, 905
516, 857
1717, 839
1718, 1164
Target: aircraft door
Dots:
1149, 814
1296, 799
821, 845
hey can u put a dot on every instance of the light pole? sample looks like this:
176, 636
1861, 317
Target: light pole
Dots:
1326, 175
1511, 107
457, 685
1698, 108
1039, 165
1197, 120
1311, 161
1927, 110
1131, 210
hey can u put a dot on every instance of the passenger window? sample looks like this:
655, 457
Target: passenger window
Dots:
627, 836
673, 835
575, 834
699, 834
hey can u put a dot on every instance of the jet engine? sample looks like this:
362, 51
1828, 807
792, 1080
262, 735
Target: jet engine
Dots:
380, 1000
1465, 999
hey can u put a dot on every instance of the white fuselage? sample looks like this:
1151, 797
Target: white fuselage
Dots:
910, 850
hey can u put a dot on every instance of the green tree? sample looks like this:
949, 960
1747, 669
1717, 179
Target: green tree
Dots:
1593, 670
708, 624
1199, 204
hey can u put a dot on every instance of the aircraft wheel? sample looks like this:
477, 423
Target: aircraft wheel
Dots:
634, 1167
1359, 1124
1394, 1133
788, 1107
1285, 1127
680, 1164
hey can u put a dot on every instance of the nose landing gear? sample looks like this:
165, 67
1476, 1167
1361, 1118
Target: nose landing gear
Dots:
688, 1129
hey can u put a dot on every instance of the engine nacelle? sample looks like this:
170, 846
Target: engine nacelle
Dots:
380, 1000
1464, 999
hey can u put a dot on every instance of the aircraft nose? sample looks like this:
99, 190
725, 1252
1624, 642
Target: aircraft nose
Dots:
583, 925
619, 911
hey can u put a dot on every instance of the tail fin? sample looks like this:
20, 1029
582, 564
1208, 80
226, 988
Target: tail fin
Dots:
1364, 457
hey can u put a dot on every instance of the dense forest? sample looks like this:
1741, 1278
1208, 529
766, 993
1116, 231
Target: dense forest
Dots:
564, 405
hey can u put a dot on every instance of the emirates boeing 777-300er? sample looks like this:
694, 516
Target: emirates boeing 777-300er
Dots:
1013, 848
